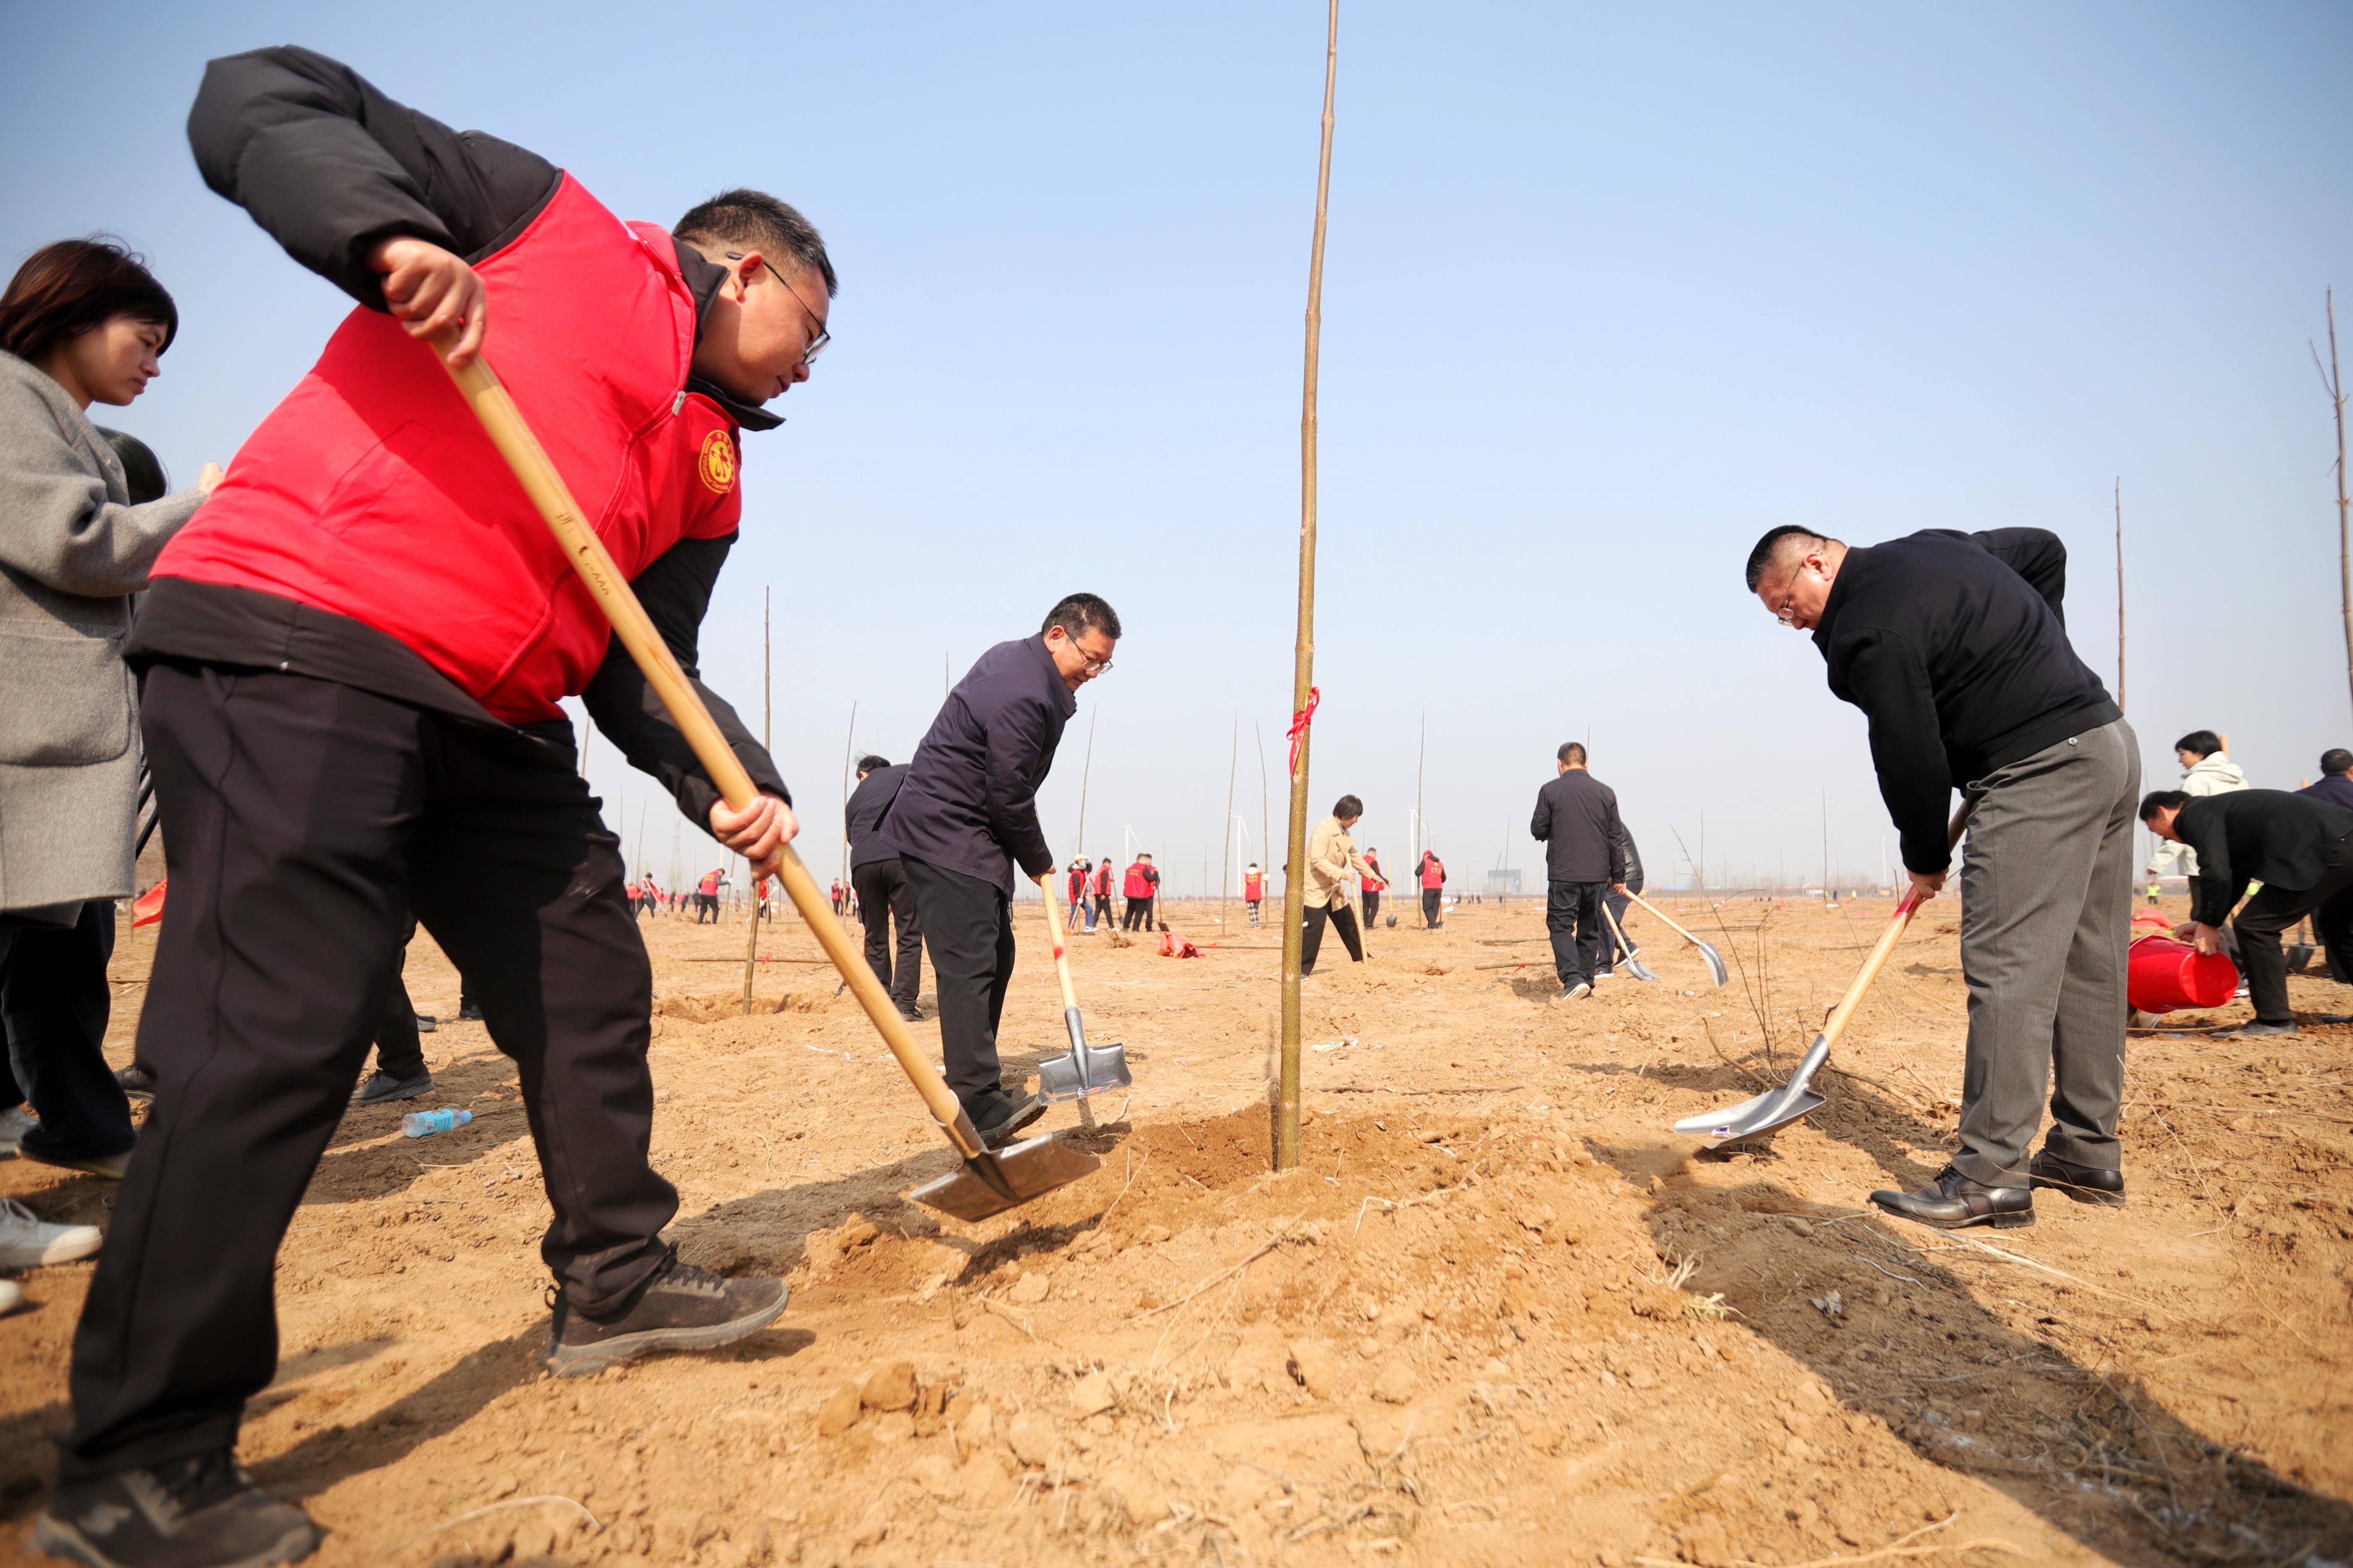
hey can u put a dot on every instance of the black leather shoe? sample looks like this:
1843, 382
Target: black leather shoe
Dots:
681, 1308
203, 1512
1000, 1116
2084, 1183
1953, 1201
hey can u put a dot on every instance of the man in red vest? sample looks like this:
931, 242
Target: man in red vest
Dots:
1142, 884
1253, 889
1103, 895
706, 897
352, 660
1433, 891
1374, 887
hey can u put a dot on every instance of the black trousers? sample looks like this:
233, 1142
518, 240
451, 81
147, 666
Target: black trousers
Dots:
1573, 916
1311, 940
1618, 904
2274, 909
302, 821
54, 1004
1138, 916
1432, 912
1102, 910
969, 929
399, 1049
885, 895
1372, 908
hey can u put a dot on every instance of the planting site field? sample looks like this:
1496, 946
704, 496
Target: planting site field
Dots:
1500, 1315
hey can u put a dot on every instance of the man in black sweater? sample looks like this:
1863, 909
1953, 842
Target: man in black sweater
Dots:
2299, 847
884, 894
1577, 821
1955, 647
967, 812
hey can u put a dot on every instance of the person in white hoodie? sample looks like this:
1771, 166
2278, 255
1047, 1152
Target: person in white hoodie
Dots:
2204, 771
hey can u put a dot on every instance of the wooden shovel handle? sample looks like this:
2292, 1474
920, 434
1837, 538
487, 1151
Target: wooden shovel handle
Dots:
1664, 916
488, 397
1880, 952
1054, 931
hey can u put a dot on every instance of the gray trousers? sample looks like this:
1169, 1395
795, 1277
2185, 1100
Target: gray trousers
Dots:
2046, 897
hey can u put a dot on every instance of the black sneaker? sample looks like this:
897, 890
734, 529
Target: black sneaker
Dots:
679, 1308
382, 1088
427, 1023
909, 1010
203, 1512
470, 1010
1000, 1116
138, 1080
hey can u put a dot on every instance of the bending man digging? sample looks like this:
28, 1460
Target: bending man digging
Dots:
1954, 645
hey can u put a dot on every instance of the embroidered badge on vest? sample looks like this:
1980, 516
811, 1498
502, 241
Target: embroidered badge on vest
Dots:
717, 465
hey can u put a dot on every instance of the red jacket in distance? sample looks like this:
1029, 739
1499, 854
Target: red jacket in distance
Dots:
1374, 883
1433, 871
1140, 879
1103, 879
710, 883
1078, 884
372, 491
1254, 887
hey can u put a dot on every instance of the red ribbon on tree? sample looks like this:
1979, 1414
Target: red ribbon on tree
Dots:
1299, 722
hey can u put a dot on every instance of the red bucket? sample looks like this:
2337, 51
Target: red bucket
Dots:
2166, 974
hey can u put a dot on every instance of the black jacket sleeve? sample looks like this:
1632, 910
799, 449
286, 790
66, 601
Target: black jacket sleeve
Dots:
2036, 555
2215, 890
1016, 733
1540, 824
675, 591
1614, 833
329, 167
1883, 675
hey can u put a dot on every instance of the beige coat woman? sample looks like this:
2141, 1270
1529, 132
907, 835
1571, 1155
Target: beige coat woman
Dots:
1332, 858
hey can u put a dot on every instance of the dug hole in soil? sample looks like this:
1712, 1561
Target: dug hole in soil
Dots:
1499, 1315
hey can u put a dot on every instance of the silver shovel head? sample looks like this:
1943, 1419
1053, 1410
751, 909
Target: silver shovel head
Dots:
1638, 969
1007, 1179
1716, 969
1767, 1112
1087, 1069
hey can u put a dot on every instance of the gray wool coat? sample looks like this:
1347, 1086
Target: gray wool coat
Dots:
72, 551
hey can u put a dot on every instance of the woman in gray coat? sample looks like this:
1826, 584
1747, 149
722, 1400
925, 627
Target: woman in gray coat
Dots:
82, 322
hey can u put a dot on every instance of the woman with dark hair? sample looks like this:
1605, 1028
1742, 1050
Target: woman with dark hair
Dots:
83, 322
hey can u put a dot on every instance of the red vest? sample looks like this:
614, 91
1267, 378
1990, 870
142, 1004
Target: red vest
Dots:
710, 883
1139, 885
1375, 883
372, 491
1254, 887
1433, 872
1103, 879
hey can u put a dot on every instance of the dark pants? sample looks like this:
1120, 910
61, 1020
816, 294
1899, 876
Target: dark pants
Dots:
1138, 916
2329, 902
1573, 916
1618, 904
302, 821
1311, 940
885, 894
969, 929
1372, 908
708, 904
1102, 911
54, 1003
1431, 909
399, 1049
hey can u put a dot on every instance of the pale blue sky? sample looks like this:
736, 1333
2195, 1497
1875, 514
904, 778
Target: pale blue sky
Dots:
1609, 292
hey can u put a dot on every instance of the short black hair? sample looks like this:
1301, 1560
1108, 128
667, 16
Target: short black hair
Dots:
142, 471
1348, 805
2337, 760
1078, 614
870, 764
746, 217
2205, 743
1570, 751
2158, 800
1770, 546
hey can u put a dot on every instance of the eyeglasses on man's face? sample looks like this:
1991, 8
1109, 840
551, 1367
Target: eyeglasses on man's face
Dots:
816, 344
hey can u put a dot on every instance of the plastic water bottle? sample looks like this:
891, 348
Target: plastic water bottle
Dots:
425, 1123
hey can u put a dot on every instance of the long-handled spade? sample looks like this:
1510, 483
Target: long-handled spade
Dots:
1716, 968
991, 1181
1088, 1069
1778, 1108
1634, 965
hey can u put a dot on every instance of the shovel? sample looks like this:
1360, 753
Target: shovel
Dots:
1634, 965
991, 1181
1778, 1108
1716, 969
1088, 1069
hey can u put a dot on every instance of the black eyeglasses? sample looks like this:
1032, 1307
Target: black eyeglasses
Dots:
817, 343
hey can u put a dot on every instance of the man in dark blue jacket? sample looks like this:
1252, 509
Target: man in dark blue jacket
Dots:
879, 881
1955, 647
967, 812
1584, 861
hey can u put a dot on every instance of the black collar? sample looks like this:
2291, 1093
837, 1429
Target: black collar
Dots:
703, 278
1065, 699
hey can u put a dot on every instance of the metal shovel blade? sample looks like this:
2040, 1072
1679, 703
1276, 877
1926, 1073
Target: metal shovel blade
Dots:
1638, 969
1087, 1069
1767, 1112
1007, 1179
1716, 969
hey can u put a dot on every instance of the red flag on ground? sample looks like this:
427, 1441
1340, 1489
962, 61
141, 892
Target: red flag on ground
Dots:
148, 906
1173, 946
